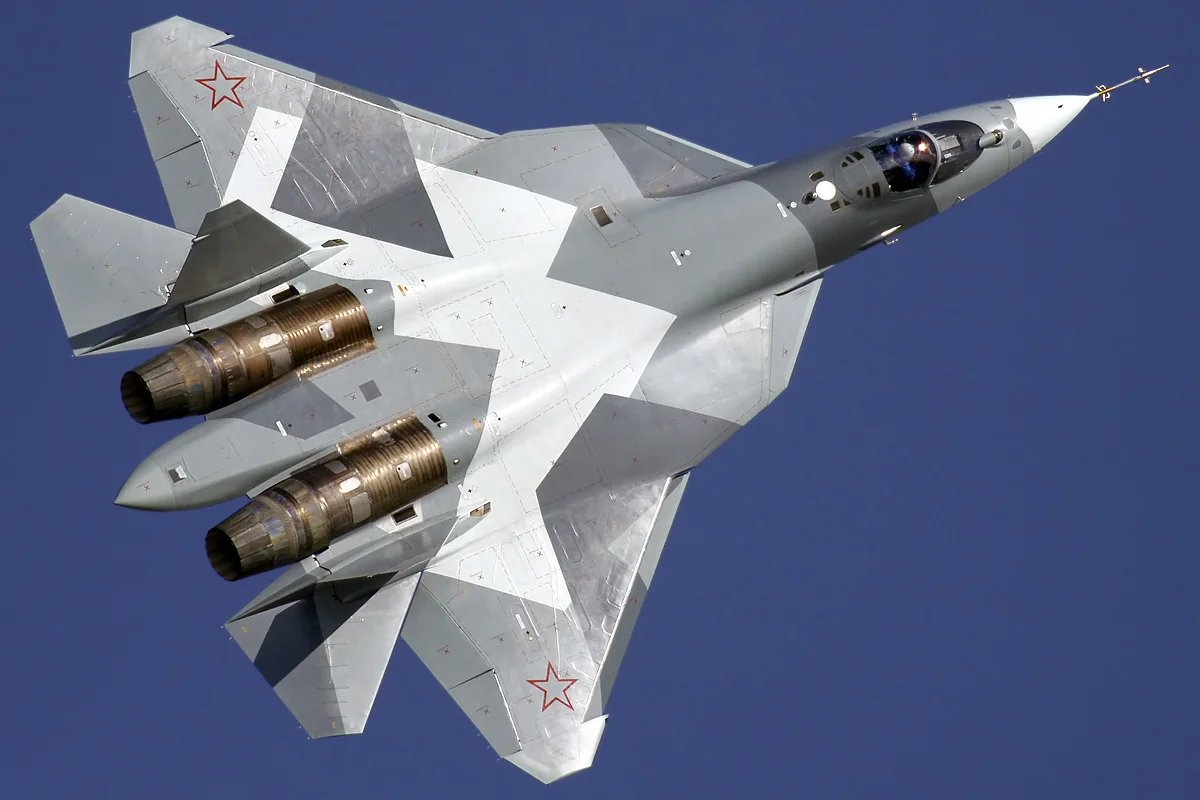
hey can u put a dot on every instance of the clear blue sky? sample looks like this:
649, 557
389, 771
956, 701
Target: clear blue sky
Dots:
957, 559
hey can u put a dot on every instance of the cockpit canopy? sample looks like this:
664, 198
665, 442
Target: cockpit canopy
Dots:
914, 159
907, 159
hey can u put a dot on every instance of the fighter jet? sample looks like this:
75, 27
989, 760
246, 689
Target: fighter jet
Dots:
463, 377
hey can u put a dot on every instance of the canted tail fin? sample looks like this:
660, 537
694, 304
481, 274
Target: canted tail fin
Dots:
325, 654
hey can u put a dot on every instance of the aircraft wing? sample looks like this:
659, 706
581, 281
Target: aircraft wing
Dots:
528, 642
197, 97
353, 153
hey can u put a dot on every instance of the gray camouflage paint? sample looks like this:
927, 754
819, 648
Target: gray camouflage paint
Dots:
531, 561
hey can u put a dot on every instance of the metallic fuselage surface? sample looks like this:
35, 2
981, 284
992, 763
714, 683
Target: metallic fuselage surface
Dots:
463, 377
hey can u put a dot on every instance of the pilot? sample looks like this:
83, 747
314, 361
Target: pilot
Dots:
907, 159
921, 152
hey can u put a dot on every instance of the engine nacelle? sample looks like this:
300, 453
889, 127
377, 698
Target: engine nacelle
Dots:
374, 474
221, 366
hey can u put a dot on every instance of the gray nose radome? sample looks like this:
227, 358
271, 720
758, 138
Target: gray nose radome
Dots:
148, 487
1043, 118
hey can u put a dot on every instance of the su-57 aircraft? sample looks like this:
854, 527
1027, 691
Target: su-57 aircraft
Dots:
463, 377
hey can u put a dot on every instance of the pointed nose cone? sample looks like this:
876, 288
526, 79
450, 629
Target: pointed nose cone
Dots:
1043, 118
148, 487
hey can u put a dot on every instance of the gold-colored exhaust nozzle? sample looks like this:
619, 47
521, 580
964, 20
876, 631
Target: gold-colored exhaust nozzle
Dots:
221, 366
374, 474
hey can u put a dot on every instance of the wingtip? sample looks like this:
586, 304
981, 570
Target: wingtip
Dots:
163, 42
544, 758
63, 204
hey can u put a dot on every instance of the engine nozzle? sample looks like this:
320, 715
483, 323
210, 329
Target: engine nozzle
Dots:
221, 366
374, 474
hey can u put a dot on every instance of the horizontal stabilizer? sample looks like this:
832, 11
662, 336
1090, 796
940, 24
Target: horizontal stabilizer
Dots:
325, 654
109, 271
234, 245
122, 282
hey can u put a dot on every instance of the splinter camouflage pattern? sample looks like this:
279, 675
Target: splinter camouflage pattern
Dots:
578, 315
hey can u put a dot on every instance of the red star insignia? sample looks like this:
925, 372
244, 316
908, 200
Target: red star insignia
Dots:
223, 87
554, 689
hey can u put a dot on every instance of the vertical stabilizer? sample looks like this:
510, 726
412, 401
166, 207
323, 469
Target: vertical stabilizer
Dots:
325, 655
